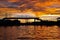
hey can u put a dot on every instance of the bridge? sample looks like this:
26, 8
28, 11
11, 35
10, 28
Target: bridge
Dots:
22, 18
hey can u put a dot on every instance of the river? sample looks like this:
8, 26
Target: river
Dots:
30, 32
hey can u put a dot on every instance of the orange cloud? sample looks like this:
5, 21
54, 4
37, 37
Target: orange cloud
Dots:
13, 0
38, 7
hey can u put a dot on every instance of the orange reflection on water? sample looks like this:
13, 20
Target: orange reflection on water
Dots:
48, 32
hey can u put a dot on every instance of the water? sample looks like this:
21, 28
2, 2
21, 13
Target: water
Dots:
30, 33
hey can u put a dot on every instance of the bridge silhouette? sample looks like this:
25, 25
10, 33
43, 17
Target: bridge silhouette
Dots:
16, 22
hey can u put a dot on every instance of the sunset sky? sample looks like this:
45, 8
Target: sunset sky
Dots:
37, 7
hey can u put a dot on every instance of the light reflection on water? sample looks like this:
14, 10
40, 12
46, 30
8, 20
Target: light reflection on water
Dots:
36, 32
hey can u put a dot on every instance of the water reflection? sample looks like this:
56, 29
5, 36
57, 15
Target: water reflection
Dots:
30, 32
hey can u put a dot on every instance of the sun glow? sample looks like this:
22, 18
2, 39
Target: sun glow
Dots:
49, 17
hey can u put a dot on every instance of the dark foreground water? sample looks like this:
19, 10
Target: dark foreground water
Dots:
30, 33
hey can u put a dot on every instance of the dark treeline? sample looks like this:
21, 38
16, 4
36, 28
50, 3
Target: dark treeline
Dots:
18, 23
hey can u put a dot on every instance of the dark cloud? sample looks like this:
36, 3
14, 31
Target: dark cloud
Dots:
3, 0
8, 4
25, 4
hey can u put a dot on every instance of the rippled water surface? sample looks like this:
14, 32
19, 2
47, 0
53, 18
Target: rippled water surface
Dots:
30, 33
